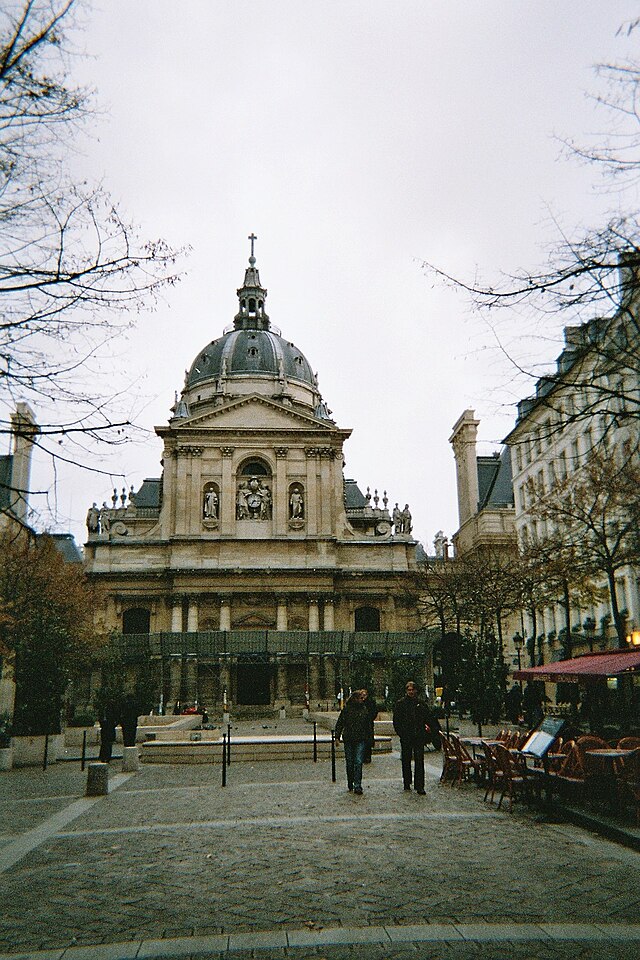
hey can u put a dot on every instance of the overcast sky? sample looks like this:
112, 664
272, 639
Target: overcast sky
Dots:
356, 139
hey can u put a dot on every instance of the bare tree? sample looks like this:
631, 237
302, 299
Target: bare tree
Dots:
73, 269
595, 519
591, 278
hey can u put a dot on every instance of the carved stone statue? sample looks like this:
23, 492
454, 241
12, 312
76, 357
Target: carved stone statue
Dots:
397, 519
296, 504
210, 505
254, 500
93, 519
242, 508
105, 519
407, 526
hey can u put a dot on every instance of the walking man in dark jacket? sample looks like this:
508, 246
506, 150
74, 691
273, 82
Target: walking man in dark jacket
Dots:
353, 727
411, 723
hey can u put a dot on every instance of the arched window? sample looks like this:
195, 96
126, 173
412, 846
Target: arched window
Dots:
136, 620
255, 468
367, 620
252, 305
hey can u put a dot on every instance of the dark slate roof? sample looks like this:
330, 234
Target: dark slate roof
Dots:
66, 547
251, 351
149, 494
495, 484
6, 463
354, 499
421, 553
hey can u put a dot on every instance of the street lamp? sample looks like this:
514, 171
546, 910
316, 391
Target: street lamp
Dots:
518, 642
633, 638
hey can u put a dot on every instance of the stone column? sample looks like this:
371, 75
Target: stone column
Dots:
330, 677
191, 679
281, 615
329, 621
282, 686
176, 616
280, 498
225, 614
314, 679
314, 616
192, 616
175, 678
227, 493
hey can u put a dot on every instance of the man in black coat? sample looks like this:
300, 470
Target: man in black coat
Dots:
411, 723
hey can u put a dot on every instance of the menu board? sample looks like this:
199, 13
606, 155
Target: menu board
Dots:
542, 737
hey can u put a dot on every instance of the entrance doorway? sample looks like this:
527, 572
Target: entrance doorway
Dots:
253, 684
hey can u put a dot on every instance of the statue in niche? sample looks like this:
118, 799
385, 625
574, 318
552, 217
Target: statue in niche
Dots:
242, 508
254, 500
210, 505
296, 504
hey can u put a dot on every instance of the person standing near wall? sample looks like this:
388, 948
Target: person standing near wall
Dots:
353, 726
411, 723
372, 710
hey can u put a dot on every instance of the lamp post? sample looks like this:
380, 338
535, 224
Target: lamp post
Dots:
518, 642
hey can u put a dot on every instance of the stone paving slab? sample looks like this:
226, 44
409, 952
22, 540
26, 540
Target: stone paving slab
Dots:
171, 864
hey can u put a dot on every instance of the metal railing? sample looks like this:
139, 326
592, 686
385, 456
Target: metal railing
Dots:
220, 643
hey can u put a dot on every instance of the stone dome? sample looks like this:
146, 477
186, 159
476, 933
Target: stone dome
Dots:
251, 357
253, 352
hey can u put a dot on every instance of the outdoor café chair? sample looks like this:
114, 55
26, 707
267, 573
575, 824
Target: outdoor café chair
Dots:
449, 761
466, 763
513, 778
628, 780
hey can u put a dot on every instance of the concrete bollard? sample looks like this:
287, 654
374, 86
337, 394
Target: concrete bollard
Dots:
97, 779
130, 759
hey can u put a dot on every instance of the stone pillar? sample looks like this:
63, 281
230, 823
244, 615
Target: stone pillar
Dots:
192, 616
176, 616
329, 621
225, 614
314, 679
130, 759
314, 616
281, 615
282, 686
330, 678
281, 500
97, 779
227, 493
175, 678
463, 441
191, 679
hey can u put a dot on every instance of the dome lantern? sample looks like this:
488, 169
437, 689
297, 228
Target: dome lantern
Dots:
251, 297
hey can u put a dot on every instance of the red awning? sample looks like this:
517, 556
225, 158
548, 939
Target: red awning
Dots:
591, 666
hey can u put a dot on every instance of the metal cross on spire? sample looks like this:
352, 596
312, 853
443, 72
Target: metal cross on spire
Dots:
252, 237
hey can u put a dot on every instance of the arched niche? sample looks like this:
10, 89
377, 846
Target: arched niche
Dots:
367, 620
254, 490
211, 503
296, 501
136, 620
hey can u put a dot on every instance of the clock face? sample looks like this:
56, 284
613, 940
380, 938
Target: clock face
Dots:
383, 528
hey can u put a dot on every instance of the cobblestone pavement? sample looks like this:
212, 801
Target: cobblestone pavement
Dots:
284, 863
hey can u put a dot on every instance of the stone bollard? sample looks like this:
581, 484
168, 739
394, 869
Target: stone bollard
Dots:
97, 779
130, 759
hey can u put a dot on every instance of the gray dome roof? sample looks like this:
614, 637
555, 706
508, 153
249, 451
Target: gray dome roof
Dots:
250, 352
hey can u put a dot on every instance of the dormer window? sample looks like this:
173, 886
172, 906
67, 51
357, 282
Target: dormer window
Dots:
252, 352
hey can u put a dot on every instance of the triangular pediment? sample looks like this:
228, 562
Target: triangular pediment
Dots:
254, 413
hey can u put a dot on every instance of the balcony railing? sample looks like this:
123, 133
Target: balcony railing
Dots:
219, 643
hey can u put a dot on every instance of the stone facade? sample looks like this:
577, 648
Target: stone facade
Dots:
251, 529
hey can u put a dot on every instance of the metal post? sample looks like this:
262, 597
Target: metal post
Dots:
46, 752
228, 743
83, 758
333, 757
315, 742
224, 759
